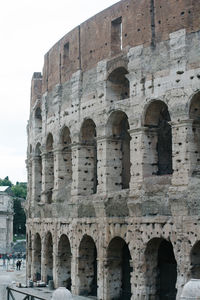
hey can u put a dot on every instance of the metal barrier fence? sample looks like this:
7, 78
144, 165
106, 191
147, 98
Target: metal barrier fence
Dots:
27, 295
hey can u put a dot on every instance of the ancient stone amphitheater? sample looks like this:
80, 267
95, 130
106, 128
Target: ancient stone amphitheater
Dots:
114, 154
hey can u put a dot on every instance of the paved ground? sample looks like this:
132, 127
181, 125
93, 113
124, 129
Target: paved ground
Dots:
9, 269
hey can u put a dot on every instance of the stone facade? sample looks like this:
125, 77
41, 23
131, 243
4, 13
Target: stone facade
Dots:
6, 220
114, 154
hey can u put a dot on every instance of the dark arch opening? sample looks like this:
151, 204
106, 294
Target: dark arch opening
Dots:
195, 261
64, 262
161, 270
89, 149
194, 114
37, 257
38, 119
159, 136
119, 270
49, 257
118, 85
88, 267
119, 159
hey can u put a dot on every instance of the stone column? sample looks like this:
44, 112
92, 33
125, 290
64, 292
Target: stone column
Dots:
29, 257
82, 170
102, 166
137, 153
182, 149
109, 164
74, 272
102, 278
55, 265
76, 168
29, 169
36, 179
33, 267
43, 260
47, 177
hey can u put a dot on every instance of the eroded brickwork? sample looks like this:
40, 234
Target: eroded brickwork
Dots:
114, 154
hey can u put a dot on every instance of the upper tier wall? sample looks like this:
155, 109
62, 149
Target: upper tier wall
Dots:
143, 22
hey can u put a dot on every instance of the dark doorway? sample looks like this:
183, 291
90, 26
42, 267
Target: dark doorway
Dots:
167, 272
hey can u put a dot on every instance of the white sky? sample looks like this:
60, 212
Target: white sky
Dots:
29, 28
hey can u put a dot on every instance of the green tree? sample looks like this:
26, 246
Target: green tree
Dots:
19, 219
19, 191
6, 181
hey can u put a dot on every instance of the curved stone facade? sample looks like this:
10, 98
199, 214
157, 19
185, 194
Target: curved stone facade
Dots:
114, 154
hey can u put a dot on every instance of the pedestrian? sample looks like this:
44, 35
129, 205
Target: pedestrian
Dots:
17, 264
20, 262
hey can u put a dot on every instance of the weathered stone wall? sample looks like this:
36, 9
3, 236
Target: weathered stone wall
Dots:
113, 154
6, 222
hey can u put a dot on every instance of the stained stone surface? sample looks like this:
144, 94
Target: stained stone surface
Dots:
113, 154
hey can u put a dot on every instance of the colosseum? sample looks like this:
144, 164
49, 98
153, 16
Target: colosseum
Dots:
114, 154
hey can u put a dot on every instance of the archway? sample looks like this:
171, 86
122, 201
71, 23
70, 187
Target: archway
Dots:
64, 262
38, 120
119, 150
87, 267
161, 270
195, 261
37, 257
118, 85
89, 156
159, 139
119, 270
48, 257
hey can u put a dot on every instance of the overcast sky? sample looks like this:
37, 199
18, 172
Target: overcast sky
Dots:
29, 28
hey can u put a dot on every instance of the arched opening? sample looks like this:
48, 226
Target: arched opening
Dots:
161, 270
119, 270
119, 150
48, 257
37, 257
195, 261
49, 170
38, 173
194, 114
38, 119
159, 140
118, 85
87, 269
89, 156
66, 165
64, 262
